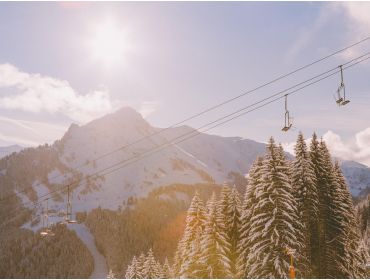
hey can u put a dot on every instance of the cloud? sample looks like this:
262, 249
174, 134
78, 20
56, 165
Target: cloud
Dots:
358, 15
308, 34
28, 133
6, 140
355, 15
358, 149
352, 19
36, 93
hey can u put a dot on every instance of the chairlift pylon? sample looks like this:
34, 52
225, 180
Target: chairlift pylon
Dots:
341, 101
68, 218
287, 120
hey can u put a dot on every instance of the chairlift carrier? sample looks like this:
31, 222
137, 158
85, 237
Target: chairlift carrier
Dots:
68, 218
46, 231
287, 119
341, 101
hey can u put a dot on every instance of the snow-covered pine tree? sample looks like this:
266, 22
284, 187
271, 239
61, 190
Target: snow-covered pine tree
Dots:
195, 266
233, 233
140, 263
133, 271
305, 192
150, 269
354, 260
215, 248
318, 241
111, 275
167, 270
230, 215
177, 261
195, 221
272, 223
160, 273
333, 231
224, 206
249, 202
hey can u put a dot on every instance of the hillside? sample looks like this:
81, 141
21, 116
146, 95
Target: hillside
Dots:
202, 159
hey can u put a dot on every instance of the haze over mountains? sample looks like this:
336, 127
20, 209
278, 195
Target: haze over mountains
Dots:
7, 150
204, 158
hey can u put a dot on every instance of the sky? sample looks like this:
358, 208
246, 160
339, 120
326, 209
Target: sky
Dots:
172, 60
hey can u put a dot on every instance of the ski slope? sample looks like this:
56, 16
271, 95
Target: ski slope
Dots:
100, 265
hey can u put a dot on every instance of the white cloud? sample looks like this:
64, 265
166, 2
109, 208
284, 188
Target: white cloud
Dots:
356, 149
28, 133
353, 21
36, 93
6, 140
358, 13
356, 17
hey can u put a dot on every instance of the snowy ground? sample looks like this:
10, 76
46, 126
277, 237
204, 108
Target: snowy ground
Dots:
100, 265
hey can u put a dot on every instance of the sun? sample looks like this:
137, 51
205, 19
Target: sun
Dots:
108, 43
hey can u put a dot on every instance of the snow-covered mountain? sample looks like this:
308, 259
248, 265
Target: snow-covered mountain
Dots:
357, 176
4, 151
204, 158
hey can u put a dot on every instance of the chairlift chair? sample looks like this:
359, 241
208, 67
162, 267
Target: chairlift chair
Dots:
68, 218
287, 120
46, 230
341, 101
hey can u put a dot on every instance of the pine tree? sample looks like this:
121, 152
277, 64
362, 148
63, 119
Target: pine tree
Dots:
167, 270
150, 269
160, 273
111, 275
229, 215
132, 271
247, 211
214, 246
334, 226
177, 260
354, 261
233, 232
274, 216
305, 191
318, 241
140, 264
194, 227
194, 266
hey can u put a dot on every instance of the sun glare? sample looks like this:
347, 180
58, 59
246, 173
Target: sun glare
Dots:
108, 43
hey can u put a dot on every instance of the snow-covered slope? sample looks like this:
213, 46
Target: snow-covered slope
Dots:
4, 151
204, 158
357, 176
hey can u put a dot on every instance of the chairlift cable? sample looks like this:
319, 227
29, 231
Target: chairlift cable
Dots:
128, 161
215, 106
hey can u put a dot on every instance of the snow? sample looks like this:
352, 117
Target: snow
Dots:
192, 156
40, 188
214, 155
56, 177
100, 265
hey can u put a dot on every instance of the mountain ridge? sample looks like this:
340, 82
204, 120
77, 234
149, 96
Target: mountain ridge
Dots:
202, 159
